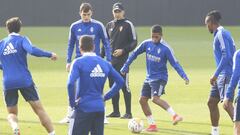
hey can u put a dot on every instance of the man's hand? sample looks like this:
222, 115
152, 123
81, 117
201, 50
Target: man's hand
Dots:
118, 52
54, 57
227, 103
186, 81
213, 80
68, 67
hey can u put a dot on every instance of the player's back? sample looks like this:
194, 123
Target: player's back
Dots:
93, 72
14, 62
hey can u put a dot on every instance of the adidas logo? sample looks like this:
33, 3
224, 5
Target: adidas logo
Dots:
9, 49
97, 72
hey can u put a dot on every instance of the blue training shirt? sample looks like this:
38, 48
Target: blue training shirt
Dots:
92, 72
93, 28
235, 77
224, 48
13, 57
157, 55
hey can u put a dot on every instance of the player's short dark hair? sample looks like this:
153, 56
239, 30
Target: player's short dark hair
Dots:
13, 25
86, 43
156, 29
214, 16
85, 7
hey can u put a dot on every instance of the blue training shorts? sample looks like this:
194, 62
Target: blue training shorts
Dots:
153, 88
28, 93
219, 90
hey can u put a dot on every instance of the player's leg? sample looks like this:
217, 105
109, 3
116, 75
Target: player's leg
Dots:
127, 98
98, 126
82, 123
212, 103
158, 89
31, 96
67, 118
223, 83
237, 128
145, 96
115, 101
236, 117
11, 99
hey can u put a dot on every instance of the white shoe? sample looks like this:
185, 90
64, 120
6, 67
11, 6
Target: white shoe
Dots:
65, 120
215, 131
16, 131
106, 120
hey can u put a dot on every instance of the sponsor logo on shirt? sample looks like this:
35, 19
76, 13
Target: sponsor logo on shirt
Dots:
9, 49
153, 58
97, 72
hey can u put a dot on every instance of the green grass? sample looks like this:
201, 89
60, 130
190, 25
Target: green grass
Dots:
193, 48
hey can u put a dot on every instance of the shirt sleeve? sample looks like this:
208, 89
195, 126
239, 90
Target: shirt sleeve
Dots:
71, 43
118, 83
175, 64
72, 77
132, 38
235, 77
105, 41
139, 50
226, 56
28, 47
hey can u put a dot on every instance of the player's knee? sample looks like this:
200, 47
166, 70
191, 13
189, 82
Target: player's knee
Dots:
155, 99
143, 100
211, 104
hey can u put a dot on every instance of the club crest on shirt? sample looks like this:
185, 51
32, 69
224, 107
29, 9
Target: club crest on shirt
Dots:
120, 28
79, 30
91, 29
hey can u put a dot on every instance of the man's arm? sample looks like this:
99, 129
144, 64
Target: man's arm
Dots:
72, 77
226, 56
105, 41
118, 83
175, 64
27, 45
132, 38
71, 43
235, 77
141, 48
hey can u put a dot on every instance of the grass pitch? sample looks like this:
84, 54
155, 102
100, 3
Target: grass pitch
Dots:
192, 47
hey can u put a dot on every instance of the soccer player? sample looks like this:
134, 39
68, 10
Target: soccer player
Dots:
88, 100
86, 26
123, 40
16, 76
224, 48
158, 52
230, 92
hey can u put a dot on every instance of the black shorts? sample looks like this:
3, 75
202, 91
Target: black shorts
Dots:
28, 93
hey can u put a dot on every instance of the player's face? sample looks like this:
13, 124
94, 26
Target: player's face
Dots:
209, 24
156, 37
118, 14
86, 16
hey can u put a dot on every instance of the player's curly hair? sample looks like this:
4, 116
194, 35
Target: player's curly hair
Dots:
214, 16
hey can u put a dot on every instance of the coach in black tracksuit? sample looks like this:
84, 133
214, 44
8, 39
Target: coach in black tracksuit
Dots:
123, 40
